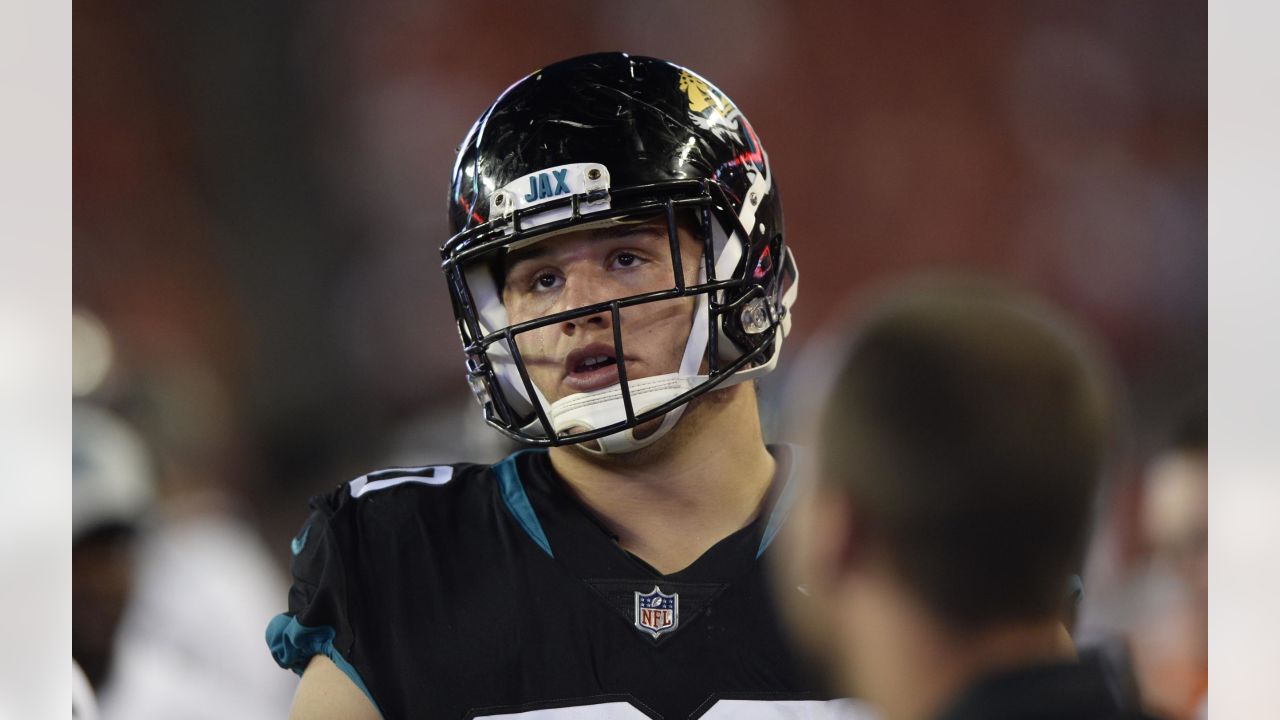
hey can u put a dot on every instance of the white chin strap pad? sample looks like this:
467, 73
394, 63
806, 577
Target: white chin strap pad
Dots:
599, 408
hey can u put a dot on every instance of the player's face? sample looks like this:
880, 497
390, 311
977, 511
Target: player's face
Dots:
590, 266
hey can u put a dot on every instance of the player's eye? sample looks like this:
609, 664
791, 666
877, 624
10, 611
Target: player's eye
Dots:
546, 280
625, 259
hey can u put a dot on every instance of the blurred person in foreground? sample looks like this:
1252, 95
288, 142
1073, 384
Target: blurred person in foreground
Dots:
620, 278
961, 443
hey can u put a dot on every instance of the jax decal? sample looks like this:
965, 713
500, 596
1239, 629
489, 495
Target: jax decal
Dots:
540, 185
657, 612
590, 180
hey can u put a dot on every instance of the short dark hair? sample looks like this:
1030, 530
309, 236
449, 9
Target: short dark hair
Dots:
970, 425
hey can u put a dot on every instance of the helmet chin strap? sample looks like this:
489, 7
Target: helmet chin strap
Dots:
599, 408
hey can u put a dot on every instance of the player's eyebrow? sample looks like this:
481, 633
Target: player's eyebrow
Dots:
650, 229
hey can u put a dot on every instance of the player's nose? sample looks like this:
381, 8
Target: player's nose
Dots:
582, 291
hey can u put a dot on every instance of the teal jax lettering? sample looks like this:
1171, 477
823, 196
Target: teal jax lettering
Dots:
540, 185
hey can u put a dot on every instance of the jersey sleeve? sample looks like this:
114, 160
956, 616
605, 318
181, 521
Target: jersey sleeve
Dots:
319, 619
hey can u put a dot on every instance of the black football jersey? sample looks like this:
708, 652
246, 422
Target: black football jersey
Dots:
472, 591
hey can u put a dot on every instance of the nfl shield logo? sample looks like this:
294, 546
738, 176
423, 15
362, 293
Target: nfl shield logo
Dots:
657, 612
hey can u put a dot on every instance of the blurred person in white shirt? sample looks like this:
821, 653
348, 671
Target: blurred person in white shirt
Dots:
168, 593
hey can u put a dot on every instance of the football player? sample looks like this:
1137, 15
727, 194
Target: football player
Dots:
619, 277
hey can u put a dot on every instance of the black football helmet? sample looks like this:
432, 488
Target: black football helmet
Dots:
616, 138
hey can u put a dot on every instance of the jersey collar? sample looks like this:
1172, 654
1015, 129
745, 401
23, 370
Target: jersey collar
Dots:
569, 531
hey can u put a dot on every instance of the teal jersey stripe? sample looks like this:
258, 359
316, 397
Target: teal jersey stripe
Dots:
513, 495
293, 645
300, 542
785, 499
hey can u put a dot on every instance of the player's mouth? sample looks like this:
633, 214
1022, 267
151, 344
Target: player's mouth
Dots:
591, 368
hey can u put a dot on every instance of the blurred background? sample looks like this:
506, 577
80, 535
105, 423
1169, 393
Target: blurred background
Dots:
259, 200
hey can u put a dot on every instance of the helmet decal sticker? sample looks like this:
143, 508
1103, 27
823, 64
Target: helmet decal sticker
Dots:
707, 108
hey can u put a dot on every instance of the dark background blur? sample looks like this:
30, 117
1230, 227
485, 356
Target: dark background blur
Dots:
259, 193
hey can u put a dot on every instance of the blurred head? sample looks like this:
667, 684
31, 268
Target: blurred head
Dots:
961, 444
617, 251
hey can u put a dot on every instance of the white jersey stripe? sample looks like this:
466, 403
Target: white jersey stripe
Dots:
440, 475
